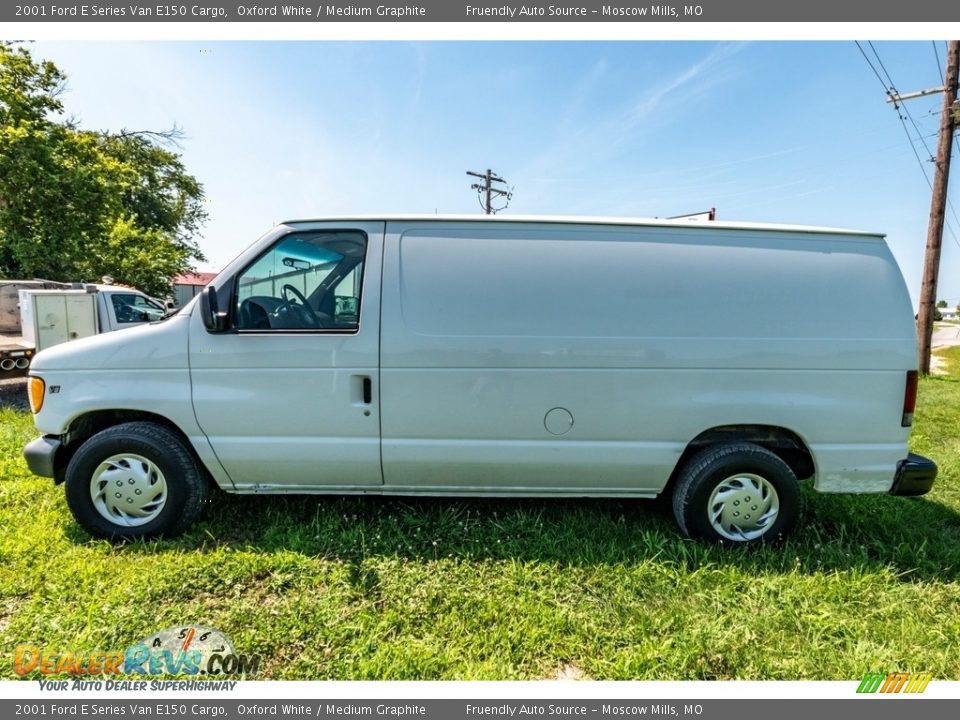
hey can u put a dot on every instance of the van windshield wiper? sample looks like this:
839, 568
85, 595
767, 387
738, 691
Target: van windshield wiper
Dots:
168, 314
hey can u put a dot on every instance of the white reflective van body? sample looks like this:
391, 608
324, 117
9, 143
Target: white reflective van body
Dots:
535, 357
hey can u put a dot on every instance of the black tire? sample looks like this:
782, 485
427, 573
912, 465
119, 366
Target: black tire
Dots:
710, 468
169, 461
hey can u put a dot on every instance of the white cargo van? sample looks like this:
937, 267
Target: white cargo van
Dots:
718, 362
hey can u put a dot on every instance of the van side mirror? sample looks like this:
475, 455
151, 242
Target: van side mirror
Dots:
214, 320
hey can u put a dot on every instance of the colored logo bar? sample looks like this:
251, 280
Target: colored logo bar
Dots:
899, 682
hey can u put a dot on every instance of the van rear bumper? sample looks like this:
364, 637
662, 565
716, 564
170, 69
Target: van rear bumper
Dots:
915, 476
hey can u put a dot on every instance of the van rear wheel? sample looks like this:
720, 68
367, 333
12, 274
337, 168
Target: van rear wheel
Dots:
135, 480
738, 493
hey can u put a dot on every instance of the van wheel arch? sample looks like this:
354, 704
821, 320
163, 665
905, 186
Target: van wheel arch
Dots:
89, 424
738, 493
782, 442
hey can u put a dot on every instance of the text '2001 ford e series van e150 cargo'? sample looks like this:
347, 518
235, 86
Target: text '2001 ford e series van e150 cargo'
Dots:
718, 362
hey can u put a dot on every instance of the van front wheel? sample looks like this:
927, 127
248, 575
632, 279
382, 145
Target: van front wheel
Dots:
135, 480
739, 493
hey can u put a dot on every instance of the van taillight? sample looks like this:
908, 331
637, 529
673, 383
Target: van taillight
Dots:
909, 399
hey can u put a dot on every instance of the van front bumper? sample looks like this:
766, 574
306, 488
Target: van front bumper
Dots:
915, 476
40, 455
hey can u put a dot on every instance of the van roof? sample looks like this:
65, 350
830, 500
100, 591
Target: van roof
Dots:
588, 220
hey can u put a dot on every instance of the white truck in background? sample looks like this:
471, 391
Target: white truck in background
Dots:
37, 314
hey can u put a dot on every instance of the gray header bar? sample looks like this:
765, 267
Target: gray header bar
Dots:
625, 11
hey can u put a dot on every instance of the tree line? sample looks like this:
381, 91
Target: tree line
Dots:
78, 204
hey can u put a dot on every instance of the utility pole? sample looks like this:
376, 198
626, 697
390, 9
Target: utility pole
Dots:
489, 191
941, 176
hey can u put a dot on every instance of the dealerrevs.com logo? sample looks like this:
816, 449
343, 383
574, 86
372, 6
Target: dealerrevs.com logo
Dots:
192, 650
898, 682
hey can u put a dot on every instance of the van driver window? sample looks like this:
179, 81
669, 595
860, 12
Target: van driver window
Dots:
307, 281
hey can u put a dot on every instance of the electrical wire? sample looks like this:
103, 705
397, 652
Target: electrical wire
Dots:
882, 66
891, 91
879, 79
956, 140
936, 54
913, 146
897, 105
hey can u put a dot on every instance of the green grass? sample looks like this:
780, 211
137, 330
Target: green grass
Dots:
374, 588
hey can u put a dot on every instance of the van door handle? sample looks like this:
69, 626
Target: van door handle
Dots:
361, 392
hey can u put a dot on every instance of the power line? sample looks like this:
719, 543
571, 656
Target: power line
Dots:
897, 106
879, 79
926, 177
956, 140
487, 191
938, 207
882, 66
955, 218
913, 147
890, 91
936, 54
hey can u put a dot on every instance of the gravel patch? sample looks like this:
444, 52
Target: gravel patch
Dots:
13, 393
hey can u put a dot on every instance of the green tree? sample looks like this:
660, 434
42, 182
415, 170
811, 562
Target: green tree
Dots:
941, 303
78, 204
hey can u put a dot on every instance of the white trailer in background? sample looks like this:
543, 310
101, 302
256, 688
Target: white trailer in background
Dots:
51, 317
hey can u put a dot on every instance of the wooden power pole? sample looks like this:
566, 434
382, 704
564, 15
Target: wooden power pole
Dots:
489, 191
938, 203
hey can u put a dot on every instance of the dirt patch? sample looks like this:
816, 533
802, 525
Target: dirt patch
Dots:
13, 393
9, 608
568, 671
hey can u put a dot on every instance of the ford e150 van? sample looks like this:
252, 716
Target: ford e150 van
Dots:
720, 363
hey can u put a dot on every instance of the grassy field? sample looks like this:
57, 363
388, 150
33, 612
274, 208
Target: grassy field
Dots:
371, 588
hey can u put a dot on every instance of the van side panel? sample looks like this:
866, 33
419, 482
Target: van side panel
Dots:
558, 359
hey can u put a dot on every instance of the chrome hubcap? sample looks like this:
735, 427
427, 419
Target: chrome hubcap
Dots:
743, 507
128, 490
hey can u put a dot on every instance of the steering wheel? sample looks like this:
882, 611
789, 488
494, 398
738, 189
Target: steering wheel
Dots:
298, 306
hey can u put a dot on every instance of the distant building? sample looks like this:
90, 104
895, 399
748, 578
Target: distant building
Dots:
189, 284
949, 313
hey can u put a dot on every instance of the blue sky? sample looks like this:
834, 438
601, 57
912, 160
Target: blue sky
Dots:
794, 132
